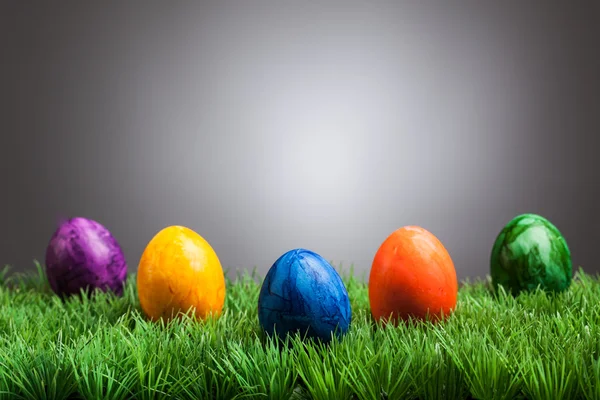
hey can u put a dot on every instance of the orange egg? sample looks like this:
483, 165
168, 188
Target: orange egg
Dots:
180, 270
412, 276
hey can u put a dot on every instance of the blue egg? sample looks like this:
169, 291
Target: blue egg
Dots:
303, 293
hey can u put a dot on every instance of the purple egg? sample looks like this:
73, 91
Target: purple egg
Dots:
83, 254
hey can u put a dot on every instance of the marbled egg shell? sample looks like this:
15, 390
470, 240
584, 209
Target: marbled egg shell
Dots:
178, 271
83, 255
528, 252
412, 276
303, 293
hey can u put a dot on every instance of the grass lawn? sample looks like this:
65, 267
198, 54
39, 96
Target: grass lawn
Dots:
535, 346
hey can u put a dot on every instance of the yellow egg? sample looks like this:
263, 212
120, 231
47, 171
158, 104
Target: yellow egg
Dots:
179, 270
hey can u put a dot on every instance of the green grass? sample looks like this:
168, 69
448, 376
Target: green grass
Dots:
534, 346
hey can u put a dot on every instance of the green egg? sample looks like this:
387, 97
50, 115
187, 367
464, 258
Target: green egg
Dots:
530, 252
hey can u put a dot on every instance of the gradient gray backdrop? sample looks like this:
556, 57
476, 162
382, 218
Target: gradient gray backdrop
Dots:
266, 126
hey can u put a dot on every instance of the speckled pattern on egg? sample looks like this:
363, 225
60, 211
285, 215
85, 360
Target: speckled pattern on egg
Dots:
83, 254
303, 293
530, 252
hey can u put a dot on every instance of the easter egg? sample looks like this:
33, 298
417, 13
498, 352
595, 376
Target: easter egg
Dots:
82, 255
179, 271
303, 293
530, 252
412, 276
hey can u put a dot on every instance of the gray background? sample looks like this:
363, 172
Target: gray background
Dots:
266, 126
